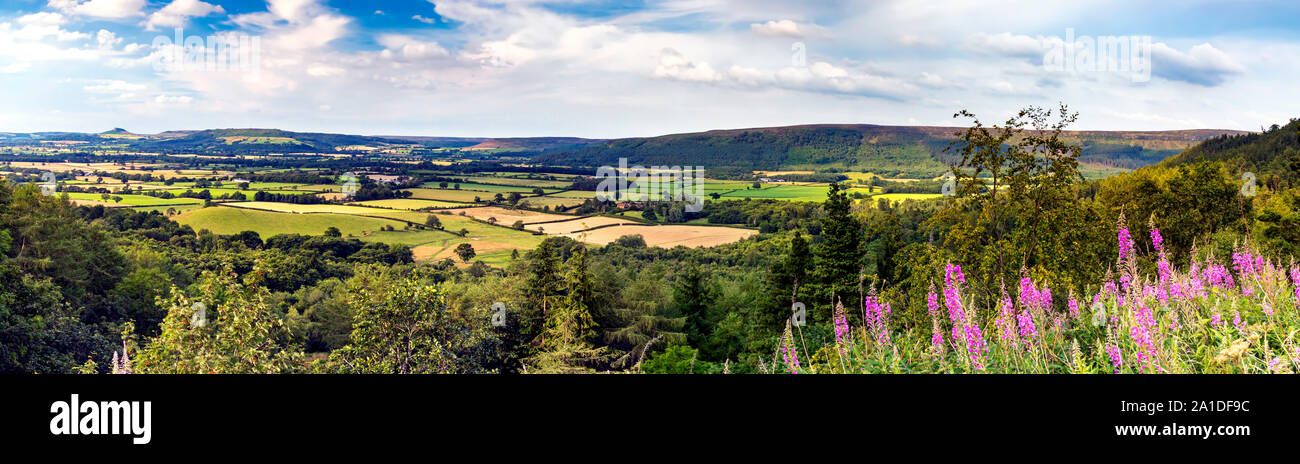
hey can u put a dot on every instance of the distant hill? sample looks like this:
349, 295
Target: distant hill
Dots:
1274, 151
910, 151
903, 151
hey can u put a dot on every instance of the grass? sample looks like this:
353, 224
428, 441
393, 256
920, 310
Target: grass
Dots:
896, 197
490, 189
225, 221
529, 183
163, 209
492, 243
407, 203
404, 215
132, 200
460, 196
811, 192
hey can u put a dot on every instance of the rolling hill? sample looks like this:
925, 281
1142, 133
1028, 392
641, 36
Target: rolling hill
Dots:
1273, 151
907, 151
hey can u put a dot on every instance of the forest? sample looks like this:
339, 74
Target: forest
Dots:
1029, 268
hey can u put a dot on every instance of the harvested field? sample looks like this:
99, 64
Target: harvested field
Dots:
667, 236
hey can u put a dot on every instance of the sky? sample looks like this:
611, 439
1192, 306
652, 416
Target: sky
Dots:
606, 69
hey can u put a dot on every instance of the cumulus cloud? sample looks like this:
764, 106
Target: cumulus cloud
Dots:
787, 28
819, 76
674, 66
1008, 44
409, 48
178, 12
106, 40
1202, 65
111, 9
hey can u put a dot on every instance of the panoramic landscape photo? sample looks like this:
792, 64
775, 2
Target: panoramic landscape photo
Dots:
661, 187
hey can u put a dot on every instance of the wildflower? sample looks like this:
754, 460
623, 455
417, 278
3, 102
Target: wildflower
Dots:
1028, 332
1295, 279
788, 352
1074, 307
1143, 335
1006, 321
842, 335
1125, 241
932, 302
877, 318
1156, 240
1215, 321
1116, 357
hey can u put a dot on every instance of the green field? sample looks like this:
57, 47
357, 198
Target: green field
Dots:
896, 197
163, 209
493, 244
814, 192
529, 183
407, 203
223, 220
492, 189
459, 196
405, 215
132, 200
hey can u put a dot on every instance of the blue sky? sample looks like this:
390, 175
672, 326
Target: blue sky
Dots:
610, 68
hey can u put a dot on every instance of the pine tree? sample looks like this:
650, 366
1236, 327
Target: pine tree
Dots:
837, 260
566, 339
693, 298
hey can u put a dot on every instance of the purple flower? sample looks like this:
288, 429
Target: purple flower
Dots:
1295, 279
1116, 357
1125, 243
1156, 240
1028, 332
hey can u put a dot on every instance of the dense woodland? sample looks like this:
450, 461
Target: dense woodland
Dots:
81, 287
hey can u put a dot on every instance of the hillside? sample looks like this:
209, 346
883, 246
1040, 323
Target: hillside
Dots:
1276, 151
908, 151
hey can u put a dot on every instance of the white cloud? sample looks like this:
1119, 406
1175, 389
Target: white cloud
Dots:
786, 28
14, 68
1201, 65
113, 86
672, 65
106, 40
424, 19
112, 9
325, 71
409, 48
1008, 44
178, 12
173, 99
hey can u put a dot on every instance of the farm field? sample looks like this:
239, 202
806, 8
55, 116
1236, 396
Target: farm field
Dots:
896, 197
530, 183
667, 236
403, 215
129, 199
813, 192
407, 203
568, 227
507, 217
492, 244
471, 186
458, 196
553, 201
163, 209
225, 221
